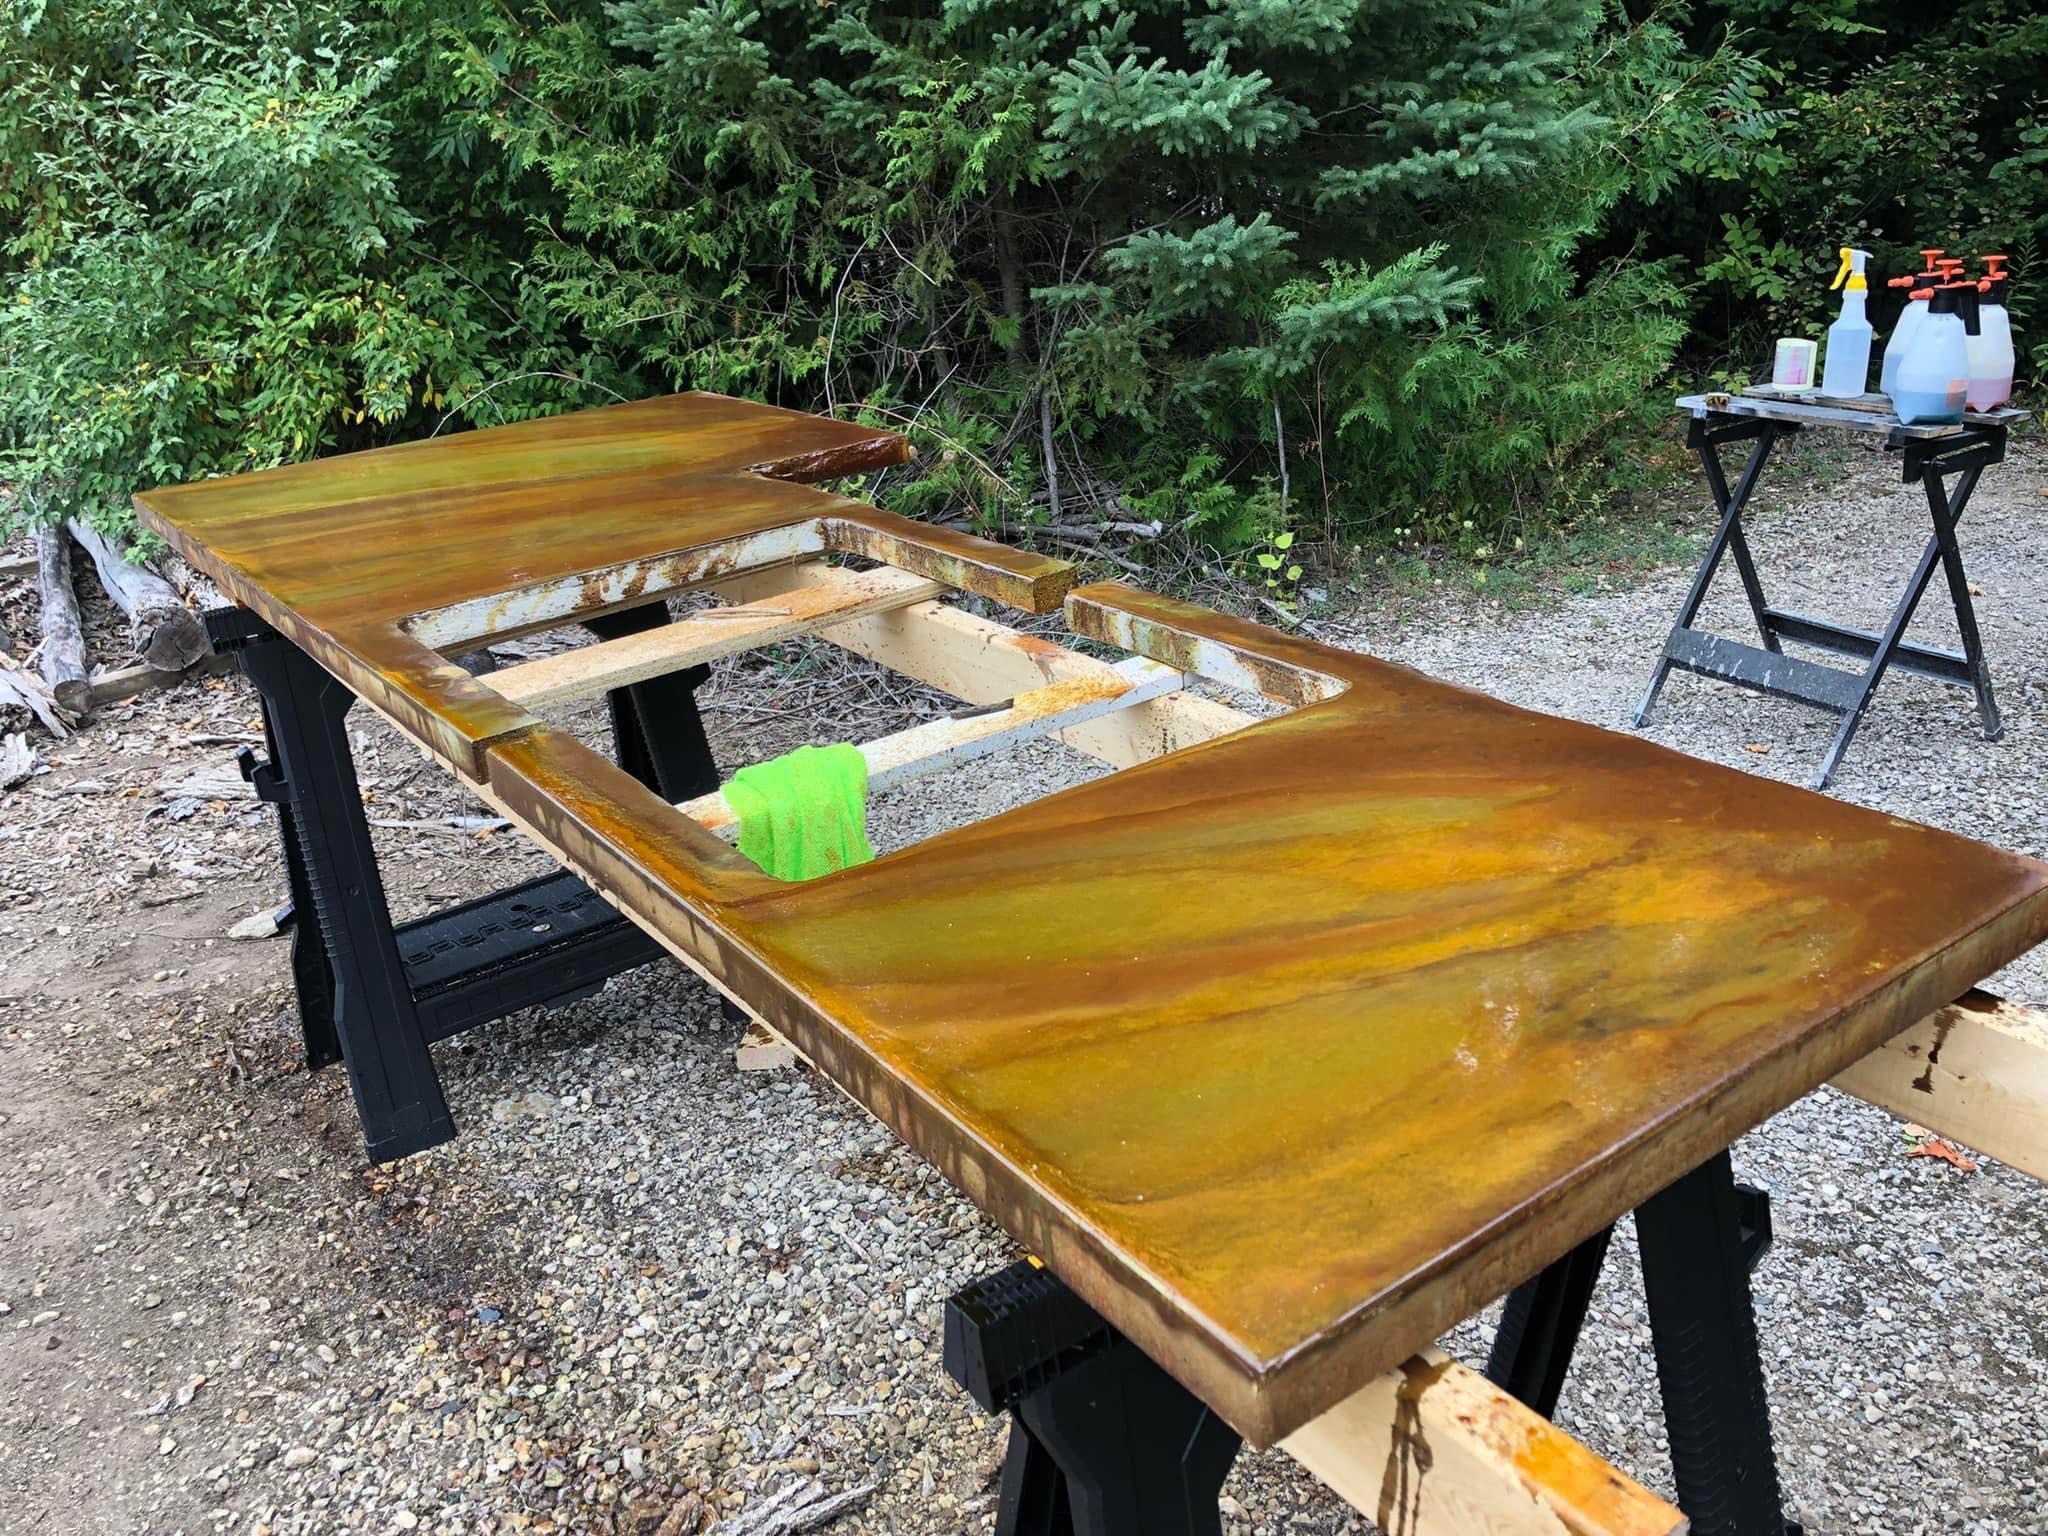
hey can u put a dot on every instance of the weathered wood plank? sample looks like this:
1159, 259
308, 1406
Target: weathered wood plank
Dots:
165, 632
1434, 1449
706, 636
1975, 1072
61, 658
127, 682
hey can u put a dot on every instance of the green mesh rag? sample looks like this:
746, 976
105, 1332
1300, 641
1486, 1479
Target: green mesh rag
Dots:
804, 814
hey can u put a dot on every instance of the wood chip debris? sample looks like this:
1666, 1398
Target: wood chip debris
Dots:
804, 1505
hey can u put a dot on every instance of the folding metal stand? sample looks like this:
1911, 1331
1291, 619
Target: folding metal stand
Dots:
1963, 454
1105, 1443
375, 995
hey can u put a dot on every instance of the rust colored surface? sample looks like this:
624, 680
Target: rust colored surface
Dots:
340, 552
1293, 1048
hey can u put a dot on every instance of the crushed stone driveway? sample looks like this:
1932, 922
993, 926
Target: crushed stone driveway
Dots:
644, 1292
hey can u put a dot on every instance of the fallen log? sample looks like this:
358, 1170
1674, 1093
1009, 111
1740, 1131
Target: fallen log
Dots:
165, 632
63, 649
126, 682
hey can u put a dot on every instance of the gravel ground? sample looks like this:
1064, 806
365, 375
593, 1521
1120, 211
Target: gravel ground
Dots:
643, 1292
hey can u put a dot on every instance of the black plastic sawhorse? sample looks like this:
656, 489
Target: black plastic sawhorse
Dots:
1931, 461
1105, 1443
374, 995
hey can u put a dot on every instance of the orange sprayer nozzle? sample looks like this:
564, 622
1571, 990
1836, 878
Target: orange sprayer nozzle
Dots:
1902, 282
1921, 293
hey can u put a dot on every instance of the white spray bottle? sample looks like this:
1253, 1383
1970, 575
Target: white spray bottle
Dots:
1909, 318
1934, 375
1847, 370
1990, 350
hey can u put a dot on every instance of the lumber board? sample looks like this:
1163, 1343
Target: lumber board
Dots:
708, 635
1976, 1072
983, 662
1432, 1448
937, 745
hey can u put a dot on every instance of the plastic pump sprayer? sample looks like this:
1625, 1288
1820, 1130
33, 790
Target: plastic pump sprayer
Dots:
1847, 370
1990, 347
1909, 317
1934, 374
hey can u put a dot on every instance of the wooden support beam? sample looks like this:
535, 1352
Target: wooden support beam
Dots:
1435, 1449
984, 663
937, 745
839, 594
1975, 1072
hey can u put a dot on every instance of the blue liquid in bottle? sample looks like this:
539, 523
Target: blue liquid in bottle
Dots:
1921, 407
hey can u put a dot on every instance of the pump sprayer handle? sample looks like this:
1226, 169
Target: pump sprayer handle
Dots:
1842, 272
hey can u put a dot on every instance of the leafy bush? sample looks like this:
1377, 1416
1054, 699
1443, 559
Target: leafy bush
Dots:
1245, 266
1872, 123
218, 265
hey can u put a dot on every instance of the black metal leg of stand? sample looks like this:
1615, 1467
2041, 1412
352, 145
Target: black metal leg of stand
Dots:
1942, 550
1727, 502
372, 1021
1539, 1327
1947, 510
1698, 1240
656, 730
1102, 1441
312, 967
1727, 536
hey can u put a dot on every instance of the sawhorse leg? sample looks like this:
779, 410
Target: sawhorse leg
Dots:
1102, 1441
1728, 537
355, 1001
1700, 1239
657, 733
1966, 462
1539, 1326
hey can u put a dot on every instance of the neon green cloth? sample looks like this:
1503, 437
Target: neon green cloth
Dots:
804, 814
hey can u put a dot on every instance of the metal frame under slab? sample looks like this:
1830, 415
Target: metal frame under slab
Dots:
1946, 465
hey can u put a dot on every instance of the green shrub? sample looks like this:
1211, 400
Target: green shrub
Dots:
1249, 265
1872, 123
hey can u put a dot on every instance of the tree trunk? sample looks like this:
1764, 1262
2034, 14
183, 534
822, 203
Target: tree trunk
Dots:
63, 652
165, 632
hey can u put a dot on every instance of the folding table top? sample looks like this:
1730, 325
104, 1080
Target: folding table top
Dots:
1288, 1050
